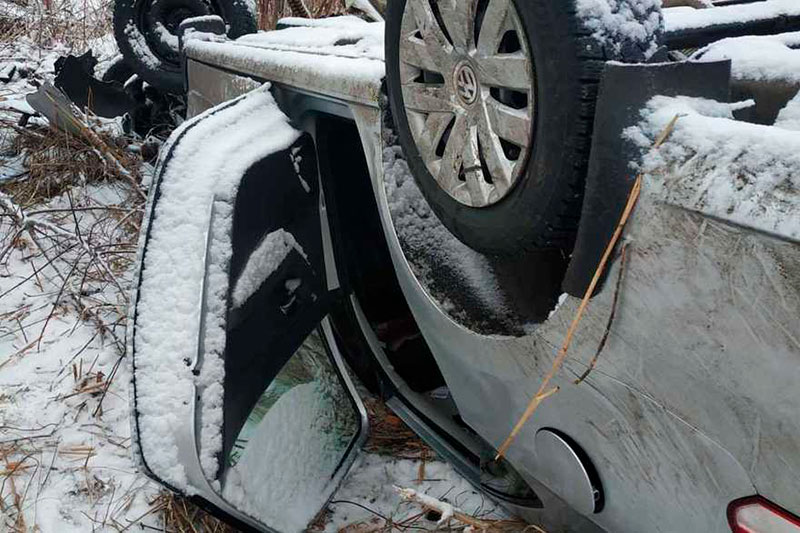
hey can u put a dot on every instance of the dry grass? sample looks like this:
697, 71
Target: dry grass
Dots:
85, 249
269, 11
54, 161
181, 516
49, 22
388, 435
76, 24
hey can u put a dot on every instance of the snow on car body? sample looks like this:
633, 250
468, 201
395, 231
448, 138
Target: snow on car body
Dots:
692, 404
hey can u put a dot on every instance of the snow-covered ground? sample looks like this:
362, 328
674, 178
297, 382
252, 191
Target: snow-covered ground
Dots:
64, 425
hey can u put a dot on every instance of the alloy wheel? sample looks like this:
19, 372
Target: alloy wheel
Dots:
466, 76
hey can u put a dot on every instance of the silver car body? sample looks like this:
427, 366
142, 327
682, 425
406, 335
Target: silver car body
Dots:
694, 402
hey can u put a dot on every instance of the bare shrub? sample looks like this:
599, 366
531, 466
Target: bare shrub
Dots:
54, 160
49, 22
269, 11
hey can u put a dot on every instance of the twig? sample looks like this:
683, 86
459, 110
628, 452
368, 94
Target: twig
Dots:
449, 512
348, 502
108, 384
543, 392
57, 300
593, 362
52, 462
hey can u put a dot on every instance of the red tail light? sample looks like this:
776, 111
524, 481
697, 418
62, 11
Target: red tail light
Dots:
757, 515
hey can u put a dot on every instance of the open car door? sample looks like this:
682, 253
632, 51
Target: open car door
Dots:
240, 398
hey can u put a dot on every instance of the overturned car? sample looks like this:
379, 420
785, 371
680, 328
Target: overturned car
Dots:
428, 206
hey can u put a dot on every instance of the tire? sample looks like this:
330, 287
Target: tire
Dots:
146, 33
117, 71
540, 209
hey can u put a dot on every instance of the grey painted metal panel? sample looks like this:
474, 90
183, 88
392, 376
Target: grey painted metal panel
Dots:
349, 81
694, 402
210, 86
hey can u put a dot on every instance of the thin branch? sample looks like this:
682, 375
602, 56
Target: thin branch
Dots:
593, 362
543, 391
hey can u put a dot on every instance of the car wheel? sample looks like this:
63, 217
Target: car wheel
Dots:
493, 101
118, 70
147, 33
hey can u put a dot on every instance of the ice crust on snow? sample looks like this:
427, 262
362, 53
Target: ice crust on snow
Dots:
201, 177
264, 260
614, 22
736, 171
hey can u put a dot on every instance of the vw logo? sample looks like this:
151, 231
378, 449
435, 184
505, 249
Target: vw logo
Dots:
466, 84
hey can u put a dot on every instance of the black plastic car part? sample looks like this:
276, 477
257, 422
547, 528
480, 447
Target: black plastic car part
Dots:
624, 90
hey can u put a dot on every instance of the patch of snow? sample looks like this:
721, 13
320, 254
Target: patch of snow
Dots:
286, 471
758, 58
616, 23
337, 65
264, 260
327, 22
296, 160
346, 39
789, 116
19, 104
104, 49
166, 37
76, 472
12, 168
371, 483
683, 18
736, 171
31, 66
561, 300
204, 19
140, 47
429, 246
207, 36
202, 175
193, 32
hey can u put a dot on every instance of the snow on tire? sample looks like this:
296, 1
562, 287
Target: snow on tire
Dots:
147, 33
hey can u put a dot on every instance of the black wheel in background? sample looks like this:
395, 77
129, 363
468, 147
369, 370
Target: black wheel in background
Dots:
118, 70
494, 102
147, 33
